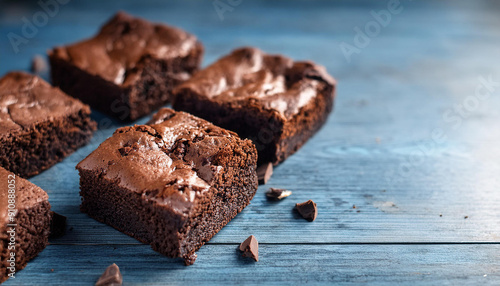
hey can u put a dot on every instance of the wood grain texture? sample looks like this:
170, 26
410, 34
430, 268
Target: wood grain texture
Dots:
278, 264
377, 151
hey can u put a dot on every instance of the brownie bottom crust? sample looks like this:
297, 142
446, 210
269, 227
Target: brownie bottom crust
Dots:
32, 236
28, 152
128, 212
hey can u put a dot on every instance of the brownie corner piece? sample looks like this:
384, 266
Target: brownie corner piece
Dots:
276, 102
39, 124
129, 68
172, 183
25, 233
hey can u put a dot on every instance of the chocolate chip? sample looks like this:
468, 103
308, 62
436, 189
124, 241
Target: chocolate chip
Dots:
110, 277
57, 225
277, 194
250, 248
39, 65
307, 210
264, 173
125, 150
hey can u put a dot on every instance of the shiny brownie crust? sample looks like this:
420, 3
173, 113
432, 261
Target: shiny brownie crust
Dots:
136, 75
172, 184
277, 103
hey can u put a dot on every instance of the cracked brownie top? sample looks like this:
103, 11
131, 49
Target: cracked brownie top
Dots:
122, 43
248, 76
26, 100
168, 161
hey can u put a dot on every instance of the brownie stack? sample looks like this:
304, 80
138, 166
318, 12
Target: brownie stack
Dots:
173, 183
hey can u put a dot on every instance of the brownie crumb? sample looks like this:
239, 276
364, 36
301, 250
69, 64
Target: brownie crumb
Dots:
250, 248
277, 194
264, 173
189, 260
110, 277
39, 65
307, 210
57, 225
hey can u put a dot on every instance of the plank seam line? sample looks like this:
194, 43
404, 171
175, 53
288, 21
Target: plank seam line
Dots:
301, 243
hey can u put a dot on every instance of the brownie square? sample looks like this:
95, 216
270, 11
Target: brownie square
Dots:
129, 68
39, 124
277, 103
26, 233
173, 183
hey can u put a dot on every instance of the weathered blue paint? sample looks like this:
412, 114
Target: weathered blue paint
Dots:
394, 147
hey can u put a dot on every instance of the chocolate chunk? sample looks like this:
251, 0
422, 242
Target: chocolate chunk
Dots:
264, 172
250, 248
39, 65
277, 194
110, 277
57, 225
307, 210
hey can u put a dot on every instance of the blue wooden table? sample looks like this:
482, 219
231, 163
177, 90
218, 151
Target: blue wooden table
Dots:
406, 172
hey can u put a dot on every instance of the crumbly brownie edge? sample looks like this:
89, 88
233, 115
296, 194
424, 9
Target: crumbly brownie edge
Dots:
32, 236
93, 90
261, 126
126, 211
233, 189
31, 151
153, 90
158, 79
305, 124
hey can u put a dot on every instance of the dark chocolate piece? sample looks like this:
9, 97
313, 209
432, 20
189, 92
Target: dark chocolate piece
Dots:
39, 65
111, 277
28, 229
264, 172
250, 248
39, 124
173, 183
58, 225
277, 194
129, 68
277, 103
307, 210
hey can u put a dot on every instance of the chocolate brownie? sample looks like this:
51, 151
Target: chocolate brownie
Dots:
39, 124
276, 102
129, 68
173, 183
24, 233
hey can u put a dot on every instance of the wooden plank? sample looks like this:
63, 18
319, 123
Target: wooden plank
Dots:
391, 97
278, 264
